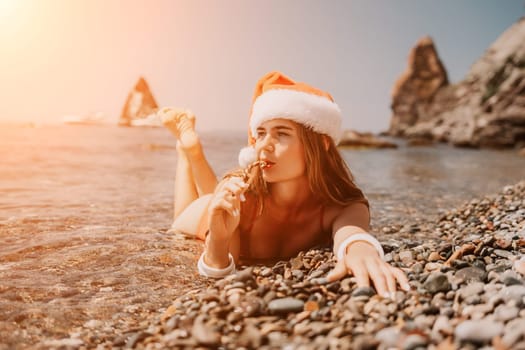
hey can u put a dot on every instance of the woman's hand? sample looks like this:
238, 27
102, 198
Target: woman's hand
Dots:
363, 261
225, 207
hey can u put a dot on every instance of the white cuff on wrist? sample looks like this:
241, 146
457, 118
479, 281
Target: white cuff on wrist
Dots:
364, 237
207, 271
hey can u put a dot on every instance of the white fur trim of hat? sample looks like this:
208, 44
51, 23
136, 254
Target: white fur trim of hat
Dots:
311, 110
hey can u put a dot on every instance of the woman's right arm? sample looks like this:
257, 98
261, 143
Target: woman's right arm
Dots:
223, 220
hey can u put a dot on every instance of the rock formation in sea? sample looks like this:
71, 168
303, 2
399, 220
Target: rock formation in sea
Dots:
485, 109
140, 104
355, 139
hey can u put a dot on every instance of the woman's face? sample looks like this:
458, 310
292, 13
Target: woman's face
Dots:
278, 144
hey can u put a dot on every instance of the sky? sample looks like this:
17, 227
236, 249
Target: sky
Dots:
75, 57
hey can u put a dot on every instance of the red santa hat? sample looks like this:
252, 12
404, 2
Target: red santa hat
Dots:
278, 96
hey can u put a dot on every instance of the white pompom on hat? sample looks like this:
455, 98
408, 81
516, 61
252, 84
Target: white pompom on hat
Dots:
247, 156
278, 96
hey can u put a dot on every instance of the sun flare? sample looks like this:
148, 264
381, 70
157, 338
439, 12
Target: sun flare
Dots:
8, 8
6, 5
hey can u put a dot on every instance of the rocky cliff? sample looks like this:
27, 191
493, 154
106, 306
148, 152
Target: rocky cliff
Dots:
486, 109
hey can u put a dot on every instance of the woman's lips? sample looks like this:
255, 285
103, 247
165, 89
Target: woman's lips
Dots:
266, 164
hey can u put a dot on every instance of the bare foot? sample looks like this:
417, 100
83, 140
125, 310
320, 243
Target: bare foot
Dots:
181, 123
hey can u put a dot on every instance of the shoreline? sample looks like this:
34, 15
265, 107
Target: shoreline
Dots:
51, 295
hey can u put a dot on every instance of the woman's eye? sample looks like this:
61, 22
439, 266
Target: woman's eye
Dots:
282, 134
260, 134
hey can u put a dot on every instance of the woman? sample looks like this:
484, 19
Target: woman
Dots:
295, 193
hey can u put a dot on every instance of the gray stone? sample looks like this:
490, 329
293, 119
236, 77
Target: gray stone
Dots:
471, 274
442, 326
265, 272
363, 291
479, 331
503, 253
388, 337
364, 342
510, 278
250, 337
414, 341
437, 282
515, 292
203, 333
471, 289
506, 313
514, 331
245, 275
406, 256
285, 305
65, 343
135, 338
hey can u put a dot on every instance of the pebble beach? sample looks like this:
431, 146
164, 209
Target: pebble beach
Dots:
468, 291
87, 263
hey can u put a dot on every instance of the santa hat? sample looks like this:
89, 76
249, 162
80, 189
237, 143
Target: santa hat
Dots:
278, 96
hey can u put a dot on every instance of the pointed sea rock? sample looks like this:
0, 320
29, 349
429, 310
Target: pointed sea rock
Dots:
139, 105
415, 88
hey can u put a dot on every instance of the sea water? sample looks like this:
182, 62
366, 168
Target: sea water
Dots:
110, 171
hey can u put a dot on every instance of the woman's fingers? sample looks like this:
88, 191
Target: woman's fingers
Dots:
234, 188
400, 277
383, 276
233, 191
361, 274
386, 278
377, 276
223, 204
232, 200
390, 278
338, 272
234, 185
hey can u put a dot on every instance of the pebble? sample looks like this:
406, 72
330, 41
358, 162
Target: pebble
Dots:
471, 274
503, 253
285, 305
414, 341
442, 327
513, 293
388, 337
472, 289
506, 313
434, 256
406, 257
437, 282
510, 278
65, 343
363, 291
479, 331
514, 330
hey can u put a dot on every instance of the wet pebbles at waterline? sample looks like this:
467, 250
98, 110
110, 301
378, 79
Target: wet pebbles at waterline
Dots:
468, 291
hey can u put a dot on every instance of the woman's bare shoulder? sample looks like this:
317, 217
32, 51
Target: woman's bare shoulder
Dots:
353, 214
354, 207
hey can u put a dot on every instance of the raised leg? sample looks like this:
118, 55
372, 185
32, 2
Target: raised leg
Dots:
194, 176
185, 191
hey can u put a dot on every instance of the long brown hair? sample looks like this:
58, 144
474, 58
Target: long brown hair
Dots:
329, 178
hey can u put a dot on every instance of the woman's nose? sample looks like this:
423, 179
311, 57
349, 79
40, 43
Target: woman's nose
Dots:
267, 143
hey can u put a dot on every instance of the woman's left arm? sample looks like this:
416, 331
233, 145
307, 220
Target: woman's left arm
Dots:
358, 253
